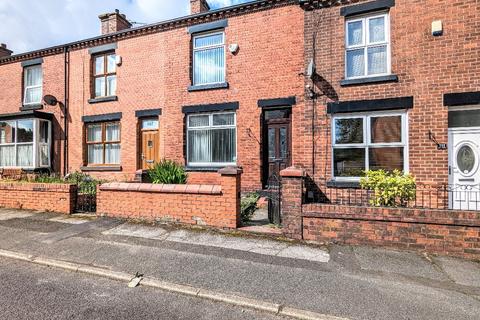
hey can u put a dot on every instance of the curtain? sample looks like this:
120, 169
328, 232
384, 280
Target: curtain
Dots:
95, 154
113, 132
25, 155
111, 85
112, 153
355, 33
377, 29
377, 60
209, 59
33, 84
7, 156
212, 145
94, 133
355, 63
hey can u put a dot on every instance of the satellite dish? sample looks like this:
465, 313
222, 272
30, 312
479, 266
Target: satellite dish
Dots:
50, 100
312, 69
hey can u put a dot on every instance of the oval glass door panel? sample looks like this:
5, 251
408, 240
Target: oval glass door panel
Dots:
466, 159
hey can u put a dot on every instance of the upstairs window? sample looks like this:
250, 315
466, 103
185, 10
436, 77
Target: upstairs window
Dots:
209, 58
104, 75
103, 143
367, 46
33, 80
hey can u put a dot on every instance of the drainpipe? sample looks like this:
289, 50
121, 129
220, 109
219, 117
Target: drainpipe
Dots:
65, 107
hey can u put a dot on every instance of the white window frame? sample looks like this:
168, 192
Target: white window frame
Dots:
204, 48
367, 144
35, 143
25, 103
365, 45
212, 127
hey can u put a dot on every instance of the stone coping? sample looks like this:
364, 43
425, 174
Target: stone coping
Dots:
34, 186
163, 188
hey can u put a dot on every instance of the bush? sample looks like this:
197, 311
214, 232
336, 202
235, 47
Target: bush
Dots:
391, 189
168, 172
248, 206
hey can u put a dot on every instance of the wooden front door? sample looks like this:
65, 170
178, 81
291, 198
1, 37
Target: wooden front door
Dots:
150, 143
277, 142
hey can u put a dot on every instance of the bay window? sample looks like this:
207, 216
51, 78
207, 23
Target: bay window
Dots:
211, 139
25, 143
209, 58
369, 142
103, 143
367, 43
33, 83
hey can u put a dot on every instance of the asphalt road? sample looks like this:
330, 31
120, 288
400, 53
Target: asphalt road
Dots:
29, 291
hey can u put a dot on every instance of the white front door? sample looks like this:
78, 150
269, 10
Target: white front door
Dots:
464, 171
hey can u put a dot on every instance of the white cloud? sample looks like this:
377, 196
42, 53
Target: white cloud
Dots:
33, 24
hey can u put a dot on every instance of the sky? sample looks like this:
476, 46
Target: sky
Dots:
34, 24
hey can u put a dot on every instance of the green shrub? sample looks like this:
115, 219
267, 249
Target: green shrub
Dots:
168, 172
391, 189
248, 206
47, 178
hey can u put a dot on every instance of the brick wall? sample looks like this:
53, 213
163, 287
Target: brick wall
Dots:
445, 232
211, 205
38, 196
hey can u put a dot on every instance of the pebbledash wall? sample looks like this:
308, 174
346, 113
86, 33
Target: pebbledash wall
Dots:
38, 196
424, 68
207, 205
445, 232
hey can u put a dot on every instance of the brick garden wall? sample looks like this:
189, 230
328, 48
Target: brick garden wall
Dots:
211, 205
38, 196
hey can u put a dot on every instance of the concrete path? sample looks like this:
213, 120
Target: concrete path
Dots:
354, 283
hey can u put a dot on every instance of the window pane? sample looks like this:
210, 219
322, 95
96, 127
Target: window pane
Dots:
223, 145
208, 40
377, 29
277, 114
271, 143
99, 65
386, 129
44, 155
209, 66
95, 154
111, 63
377, 60
112, 153
111, 85
224, 119
33, 95
283, 143
349, 131
25, 155
349, 162
112, 132
355, 63
33, 76
7, 132
94, 133
355, 33
150, 124
7, 156
25, 131
44, 132
199, 146
386, 158
100, 87
199, 121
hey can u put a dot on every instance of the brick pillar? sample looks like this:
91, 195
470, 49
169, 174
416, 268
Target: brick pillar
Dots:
4, 52
113, 22
231, 182
292, 198
199, 6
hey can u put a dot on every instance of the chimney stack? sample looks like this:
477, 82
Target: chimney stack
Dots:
4, 52
199, 6
113, 22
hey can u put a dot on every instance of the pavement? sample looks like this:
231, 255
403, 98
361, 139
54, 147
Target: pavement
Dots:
341, 281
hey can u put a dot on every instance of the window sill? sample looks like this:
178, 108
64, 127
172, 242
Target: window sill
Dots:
101, 168
103, 99
202, 169
31, 107
369, 80
343, 184
215, 86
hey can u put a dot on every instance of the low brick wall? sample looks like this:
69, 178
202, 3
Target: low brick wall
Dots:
211, 205
445, 232
38, 196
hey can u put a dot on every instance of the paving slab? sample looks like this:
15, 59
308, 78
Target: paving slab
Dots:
68, 220
404, 263
139, 231
463, 272
304, 253
13, 214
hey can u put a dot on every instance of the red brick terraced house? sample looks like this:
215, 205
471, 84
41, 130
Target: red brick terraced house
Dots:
392, 84
211, 89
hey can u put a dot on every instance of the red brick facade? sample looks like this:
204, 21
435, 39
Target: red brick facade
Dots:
37, 196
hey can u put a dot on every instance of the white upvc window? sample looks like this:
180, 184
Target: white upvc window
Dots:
33, 82
25, 143
367, 43
369, 141
212, 139
209, 58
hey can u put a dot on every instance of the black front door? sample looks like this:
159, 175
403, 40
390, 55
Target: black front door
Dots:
277, 142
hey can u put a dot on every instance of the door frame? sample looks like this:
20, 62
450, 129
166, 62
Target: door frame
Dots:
264, 145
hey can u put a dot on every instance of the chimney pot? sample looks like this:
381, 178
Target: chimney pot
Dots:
114, 22
199, 6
